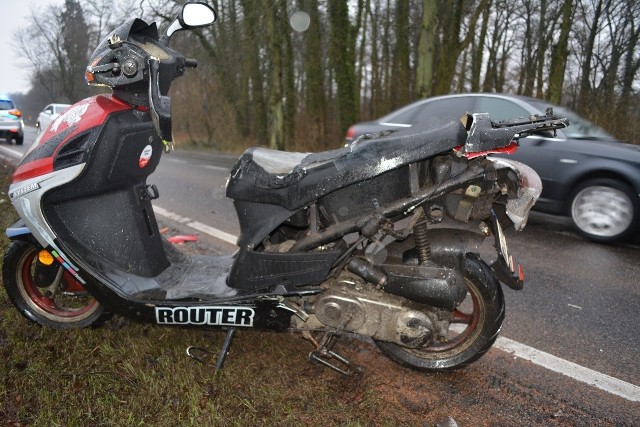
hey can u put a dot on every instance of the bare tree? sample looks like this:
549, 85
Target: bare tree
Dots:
41, 47
559, 55
452, 43
341, 60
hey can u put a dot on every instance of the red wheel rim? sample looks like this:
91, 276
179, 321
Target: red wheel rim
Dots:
471, 319
459, 317
49, 306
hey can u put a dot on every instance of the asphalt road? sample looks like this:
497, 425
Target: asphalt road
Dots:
580, 301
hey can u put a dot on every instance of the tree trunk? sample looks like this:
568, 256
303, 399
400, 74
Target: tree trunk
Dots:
275, 97
559, 55
342, 62
452, 46
584, 94
631, 63
477, 52
400, 67
543, 44
314, 84
426, 49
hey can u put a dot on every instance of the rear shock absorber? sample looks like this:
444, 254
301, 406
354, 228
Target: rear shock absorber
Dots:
421, 238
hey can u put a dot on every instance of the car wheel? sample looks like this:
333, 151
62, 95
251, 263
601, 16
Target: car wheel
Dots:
19, 139
604, 210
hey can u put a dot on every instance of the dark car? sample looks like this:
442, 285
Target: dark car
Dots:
586, 173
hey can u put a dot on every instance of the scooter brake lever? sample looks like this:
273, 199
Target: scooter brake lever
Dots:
112, 66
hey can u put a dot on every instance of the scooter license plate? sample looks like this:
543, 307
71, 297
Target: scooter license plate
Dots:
501, 243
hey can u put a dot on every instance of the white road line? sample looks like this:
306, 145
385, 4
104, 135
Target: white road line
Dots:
579, 373
212, 167
216, 168
13, 153
230, 238
174, 160
219, 234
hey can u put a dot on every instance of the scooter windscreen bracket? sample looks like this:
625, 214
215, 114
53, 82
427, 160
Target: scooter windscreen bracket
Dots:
160, 104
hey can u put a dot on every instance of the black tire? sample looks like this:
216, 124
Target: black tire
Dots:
19, 139
483, 324
73, 308
604, 210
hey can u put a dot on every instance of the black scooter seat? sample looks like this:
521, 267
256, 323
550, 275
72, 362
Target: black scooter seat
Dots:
293, 180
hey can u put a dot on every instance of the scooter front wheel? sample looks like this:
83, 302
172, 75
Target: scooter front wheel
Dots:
57, 301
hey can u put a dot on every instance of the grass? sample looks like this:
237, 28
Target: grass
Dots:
131, 374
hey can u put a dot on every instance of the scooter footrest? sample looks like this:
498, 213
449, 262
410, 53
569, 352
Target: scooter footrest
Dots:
325, 358
324, 354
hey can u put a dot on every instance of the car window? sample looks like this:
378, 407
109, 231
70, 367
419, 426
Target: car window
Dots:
404, 116
60, 108
500, 109
443, 110
579, 127
5, 104
49, 109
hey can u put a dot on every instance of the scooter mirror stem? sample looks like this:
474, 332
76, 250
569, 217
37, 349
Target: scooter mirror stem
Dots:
175, 26
192, 15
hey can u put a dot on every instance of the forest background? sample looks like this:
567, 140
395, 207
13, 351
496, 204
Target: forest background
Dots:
294, 74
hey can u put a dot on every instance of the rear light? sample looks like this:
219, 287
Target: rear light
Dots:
16, 113
88, 77
350, 133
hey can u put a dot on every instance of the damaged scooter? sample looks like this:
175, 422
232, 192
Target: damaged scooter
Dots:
363, 240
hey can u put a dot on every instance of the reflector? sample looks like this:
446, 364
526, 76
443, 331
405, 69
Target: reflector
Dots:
45, 257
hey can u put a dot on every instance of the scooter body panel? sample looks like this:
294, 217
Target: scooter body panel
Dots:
104, 214
55, 147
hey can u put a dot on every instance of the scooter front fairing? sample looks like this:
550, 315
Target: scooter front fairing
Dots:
81, 190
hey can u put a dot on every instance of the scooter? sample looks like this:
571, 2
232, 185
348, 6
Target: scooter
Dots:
351, 241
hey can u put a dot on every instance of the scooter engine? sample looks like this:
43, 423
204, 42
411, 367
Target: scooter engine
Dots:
353, 306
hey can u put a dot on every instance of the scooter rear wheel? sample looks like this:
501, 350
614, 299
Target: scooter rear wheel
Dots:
68, 306
474, 328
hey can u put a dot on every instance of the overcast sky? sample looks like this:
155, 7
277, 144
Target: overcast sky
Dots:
14, 78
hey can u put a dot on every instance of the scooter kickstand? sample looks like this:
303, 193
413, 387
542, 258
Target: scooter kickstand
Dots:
228, 339
198, 353
324, 353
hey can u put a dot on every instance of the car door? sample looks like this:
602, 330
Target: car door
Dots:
46, 117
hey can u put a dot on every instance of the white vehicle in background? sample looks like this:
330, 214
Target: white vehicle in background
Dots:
49, 114
11, 126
